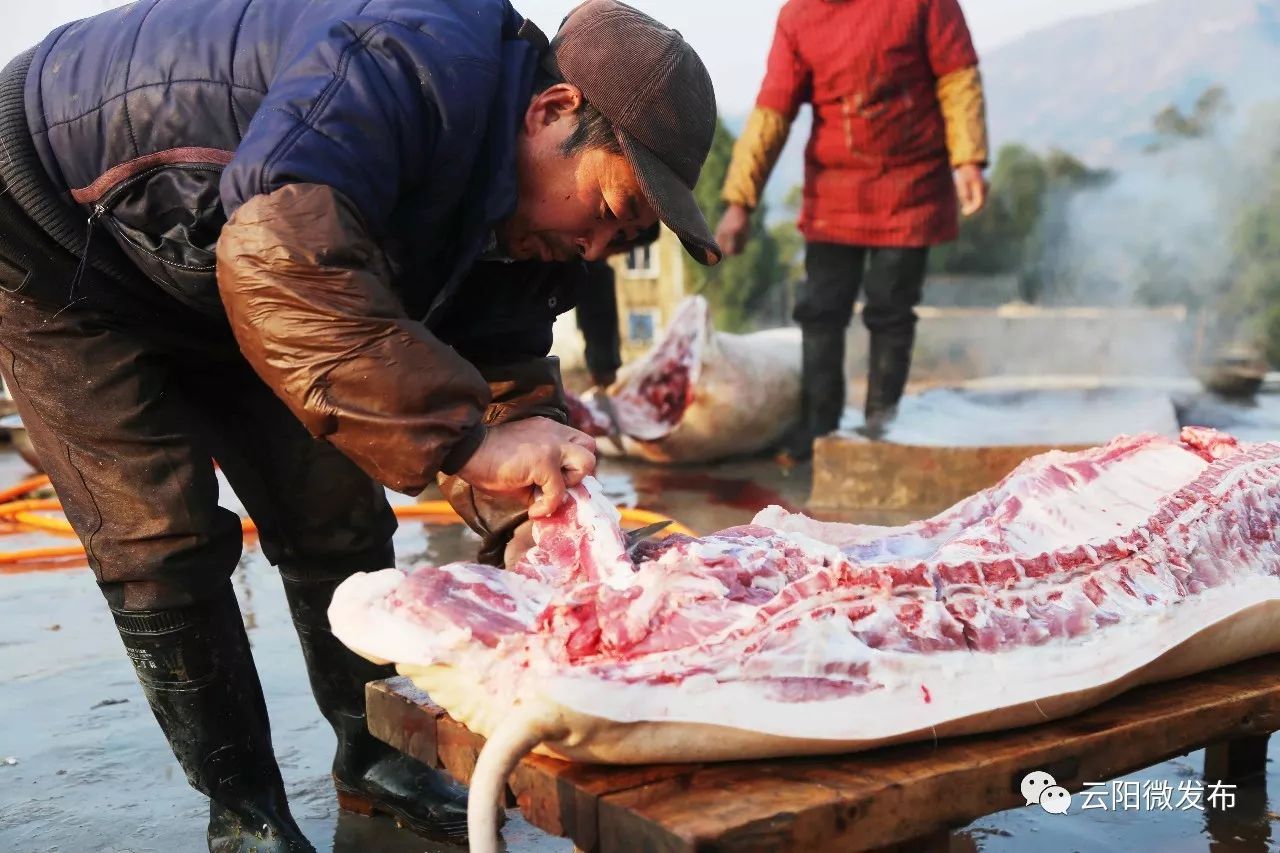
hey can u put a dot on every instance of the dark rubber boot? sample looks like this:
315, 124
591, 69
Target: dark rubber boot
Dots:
370, 776
198, 674
887, 370
822, 387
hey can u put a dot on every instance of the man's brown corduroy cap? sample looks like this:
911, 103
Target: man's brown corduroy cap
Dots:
650, 84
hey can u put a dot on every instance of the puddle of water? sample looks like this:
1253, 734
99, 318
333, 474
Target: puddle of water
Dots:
1247, 826
93, 771
707, 499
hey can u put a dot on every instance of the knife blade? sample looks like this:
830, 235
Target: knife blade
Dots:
640, 534
606, 406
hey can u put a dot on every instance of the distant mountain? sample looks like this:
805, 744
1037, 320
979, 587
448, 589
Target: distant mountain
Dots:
1092, 85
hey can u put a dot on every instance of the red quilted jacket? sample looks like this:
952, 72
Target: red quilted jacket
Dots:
877, 171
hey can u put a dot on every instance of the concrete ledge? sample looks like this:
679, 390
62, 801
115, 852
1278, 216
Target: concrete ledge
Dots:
856, 475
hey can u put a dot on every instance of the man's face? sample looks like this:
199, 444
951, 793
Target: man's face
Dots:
575, 206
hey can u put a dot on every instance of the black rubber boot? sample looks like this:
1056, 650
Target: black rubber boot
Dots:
822, 387
370, 776
887, 370
198, 674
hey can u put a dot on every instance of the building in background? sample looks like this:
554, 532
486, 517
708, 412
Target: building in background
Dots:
651, 284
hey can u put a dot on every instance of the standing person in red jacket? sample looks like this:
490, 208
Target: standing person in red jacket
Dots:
899, 135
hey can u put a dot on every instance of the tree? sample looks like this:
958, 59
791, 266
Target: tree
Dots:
1022, 224
788, 238
1172, 125
737, 286
1047, 260
1256, 295
991, 242
1063, 170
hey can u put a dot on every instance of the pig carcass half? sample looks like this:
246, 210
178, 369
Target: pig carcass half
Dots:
1077, 577
701, 395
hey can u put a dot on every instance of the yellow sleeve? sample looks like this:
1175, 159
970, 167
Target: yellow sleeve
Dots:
754, 156
964, 109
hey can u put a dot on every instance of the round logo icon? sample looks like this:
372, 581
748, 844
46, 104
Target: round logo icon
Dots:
1034, 784
1055, 799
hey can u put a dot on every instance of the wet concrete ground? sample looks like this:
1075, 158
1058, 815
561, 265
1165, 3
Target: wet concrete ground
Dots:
92, 772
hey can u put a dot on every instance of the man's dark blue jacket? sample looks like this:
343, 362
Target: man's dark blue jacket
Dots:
321, 171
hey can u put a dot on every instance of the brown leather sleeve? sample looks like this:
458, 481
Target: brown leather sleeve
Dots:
526, 390
308, 296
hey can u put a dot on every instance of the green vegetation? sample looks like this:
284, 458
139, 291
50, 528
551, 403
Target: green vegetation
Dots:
738, 286
1171, 124
1255, 294
1009, 235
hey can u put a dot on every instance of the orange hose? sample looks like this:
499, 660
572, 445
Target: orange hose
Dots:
34, 521
14, 493
38, 504
26, 515
26, 487
23, 512
41, 554
634, 516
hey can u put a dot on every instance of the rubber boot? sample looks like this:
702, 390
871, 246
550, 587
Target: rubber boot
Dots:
887, 370
370, 776
198, 675
822, 387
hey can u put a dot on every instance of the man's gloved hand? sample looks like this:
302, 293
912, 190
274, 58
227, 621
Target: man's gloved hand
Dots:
604, 380
518, 456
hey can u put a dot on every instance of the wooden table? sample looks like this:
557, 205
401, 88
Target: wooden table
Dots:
902, 798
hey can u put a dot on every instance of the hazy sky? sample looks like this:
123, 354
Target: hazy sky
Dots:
731, 35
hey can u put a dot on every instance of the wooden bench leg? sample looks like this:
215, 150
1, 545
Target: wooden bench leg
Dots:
1243, 823
1235, 760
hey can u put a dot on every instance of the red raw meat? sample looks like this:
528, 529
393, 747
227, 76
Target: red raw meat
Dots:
583, 418
1076, 577
700, 394
1065, 546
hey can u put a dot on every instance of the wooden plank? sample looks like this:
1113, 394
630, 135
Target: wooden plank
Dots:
563, 798
459, 749
894, 795
404, 717
865, 801
558, 797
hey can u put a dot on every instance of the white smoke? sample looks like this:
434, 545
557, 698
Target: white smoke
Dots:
1162, 232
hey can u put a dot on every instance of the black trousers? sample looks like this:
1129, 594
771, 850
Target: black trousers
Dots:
129, 398
891, 281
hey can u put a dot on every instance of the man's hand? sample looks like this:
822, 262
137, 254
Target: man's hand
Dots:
604, 380
734, 229
971, 188
535, 452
